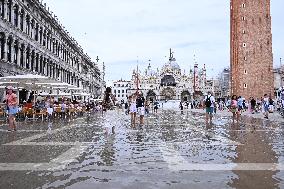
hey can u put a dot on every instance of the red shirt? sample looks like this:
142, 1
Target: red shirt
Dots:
11, 99
29, 105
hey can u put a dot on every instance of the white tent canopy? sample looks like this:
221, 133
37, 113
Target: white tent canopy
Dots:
29, 78
35, 82
82, 94
54, 94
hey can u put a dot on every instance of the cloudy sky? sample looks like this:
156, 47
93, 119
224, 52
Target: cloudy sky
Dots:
121, 32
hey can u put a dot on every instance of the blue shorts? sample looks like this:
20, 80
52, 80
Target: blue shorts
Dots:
266, 108
13, 110
209, 110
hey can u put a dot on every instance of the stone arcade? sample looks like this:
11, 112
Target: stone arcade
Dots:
33, 41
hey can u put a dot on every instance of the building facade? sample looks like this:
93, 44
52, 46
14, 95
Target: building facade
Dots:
251, 48
33, 41
278, 78
224, 82
170, 83
120, 89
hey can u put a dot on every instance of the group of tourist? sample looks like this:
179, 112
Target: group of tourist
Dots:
237, 105
46, 105
138, 106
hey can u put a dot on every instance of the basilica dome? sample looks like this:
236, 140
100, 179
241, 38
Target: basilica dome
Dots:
172, 65
150, 71
175, 65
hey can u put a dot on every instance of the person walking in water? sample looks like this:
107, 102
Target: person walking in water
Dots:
109, 100
265, 104
12, 105
235, 109
133, 109
181, 107
156, 107
209, 102
140, 104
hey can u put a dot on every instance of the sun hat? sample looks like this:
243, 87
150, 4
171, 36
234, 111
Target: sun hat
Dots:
10, 88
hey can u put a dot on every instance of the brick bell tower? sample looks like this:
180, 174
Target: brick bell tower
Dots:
251, 48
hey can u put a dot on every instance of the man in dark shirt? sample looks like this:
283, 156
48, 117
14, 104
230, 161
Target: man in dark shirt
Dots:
140, 101
253, 104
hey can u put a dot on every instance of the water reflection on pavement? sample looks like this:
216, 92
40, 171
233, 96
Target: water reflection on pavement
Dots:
172, 150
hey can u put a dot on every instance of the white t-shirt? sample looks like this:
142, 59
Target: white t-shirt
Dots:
212, 99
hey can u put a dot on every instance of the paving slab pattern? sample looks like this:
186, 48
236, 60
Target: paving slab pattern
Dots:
172, 149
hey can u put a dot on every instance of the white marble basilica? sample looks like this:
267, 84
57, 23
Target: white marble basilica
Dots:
170, 83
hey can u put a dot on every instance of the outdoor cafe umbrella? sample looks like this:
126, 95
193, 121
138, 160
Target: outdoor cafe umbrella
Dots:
82, 94
29, 78
27, 81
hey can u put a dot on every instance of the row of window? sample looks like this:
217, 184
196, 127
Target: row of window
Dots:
253, 20
244, 44
46, 36
122, 85
118, 91
118, 96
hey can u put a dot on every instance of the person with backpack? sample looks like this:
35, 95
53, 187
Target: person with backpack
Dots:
271, 104
108, 100
209, 103
156, 107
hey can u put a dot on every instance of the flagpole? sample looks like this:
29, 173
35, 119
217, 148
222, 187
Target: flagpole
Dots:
137, 79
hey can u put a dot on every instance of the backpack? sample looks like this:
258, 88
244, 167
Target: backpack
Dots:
282, 96
208, 102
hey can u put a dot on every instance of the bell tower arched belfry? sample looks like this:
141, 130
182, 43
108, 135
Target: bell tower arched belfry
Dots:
251, 48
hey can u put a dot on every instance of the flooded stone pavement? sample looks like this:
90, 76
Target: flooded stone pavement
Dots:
172, 150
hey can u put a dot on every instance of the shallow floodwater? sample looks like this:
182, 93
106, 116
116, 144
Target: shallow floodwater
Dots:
172, 149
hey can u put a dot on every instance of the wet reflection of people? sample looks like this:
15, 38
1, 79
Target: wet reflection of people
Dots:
256, 148
209, 125
108, 152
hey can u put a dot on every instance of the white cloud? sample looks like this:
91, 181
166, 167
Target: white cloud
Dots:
120, 30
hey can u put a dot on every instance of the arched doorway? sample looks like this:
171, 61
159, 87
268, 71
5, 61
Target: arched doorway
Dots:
2, 45
151, 96
168, 94
198, 95
2, 90
185, 96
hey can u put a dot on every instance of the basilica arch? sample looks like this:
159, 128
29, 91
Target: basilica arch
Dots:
151, 95
168, 94
185, 95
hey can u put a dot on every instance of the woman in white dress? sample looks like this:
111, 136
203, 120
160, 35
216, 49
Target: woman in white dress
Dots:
133, 109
